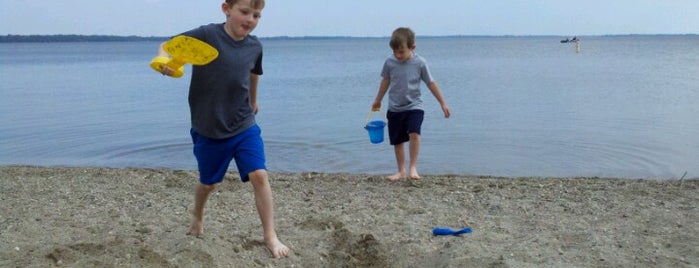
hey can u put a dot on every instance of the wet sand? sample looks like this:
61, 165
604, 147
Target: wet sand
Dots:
103, 217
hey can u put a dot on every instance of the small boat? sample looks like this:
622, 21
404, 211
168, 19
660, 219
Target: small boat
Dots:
575, 39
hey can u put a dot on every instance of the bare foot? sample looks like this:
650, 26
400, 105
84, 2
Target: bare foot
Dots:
277, 248
414, 175
396, 177
196, 229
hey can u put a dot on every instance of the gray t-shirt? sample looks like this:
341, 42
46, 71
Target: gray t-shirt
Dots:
404, 89
219, 92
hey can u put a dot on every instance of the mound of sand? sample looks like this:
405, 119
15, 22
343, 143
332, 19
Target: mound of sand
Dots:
100, 217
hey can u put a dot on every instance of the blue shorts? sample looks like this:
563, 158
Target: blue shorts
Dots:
214, 155
401, 124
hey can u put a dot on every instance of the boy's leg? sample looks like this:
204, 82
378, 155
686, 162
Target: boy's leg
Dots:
201, 194
250, 159
414, 126
400, 161
414, 152
265, 208
213, 157
397, 134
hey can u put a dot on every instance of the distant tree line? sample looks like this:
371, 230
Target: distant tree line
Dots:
10, 38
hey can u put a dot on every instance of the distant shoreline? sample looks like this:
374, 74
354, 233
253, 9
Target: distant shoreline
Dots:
64, 38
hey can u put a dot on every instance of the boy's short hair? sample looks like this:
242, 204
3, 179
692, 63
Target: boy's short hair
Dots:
402, 36
254, 3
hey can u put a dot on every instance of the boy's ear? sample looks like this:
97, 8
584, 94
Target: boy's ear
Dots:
225, 8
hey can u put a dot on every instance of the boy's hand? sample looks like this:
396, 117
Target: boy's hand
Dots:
376, 106
165, 70
446, 111
255, 108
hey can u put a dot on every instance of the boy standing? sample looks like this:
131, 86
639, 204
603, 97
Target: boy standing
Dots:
223, 104
402, 74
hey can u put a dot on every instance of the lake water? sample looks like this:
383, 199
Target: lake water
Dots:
521, 106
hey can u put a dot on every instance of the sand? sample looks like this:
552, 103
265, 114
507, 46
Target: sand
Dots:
102, 217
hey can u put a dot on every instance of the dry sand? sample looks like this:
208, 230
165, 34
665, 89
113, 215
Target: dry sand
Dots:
101, 217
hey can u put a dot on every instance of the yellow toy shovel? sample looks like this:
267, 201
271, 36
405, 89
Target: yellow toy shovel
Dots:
184, 49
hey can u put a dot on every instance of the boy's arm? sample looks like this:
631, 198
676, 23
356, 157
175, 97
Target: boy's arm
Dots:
438, 94
383, 87
254, 79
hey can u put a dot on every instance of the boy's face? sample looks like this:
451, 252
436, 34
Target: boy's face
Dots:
241, 18
403, 53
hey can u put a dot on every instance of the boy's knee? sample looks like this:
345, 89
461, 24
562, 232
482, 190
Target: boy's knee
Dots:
258, 177
207, 187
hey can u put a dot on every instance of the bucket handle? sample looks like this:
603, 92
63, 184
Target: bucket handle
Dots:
368, 116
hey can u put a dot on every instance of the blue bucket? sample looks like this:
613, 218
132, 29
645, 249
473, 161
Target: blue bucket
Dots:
375, 129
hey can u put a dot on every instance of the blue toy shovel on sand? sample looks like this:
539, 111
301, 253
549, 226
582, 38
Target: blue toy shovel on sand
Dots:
447, 231
375, 129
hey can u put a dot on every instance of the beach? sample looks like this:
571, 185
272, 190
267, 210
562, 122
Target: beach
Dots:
130, 217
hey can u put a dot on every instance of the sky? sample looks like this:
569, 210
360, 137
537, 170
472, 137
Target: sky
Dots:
360, 18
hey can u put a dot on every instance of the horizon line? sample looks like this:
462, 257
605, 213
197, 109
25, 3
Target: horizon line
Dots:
354, 36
